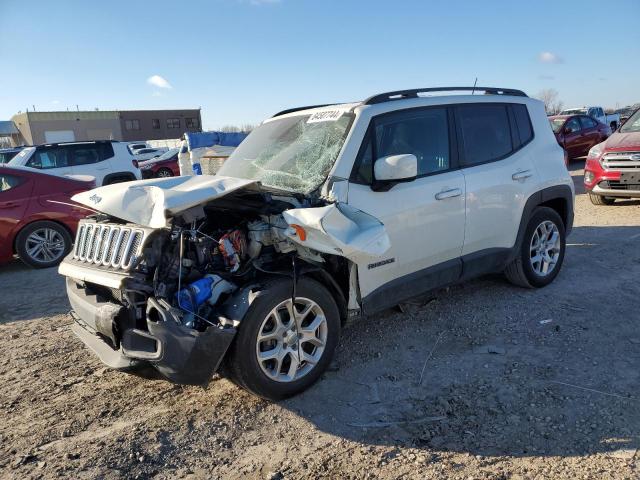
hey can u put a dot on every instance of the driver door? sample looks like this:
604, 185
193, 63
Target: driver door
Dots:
424, 218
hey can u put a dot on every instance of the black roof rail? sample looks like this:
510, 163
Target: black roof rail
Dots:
297, 109
413, 93
55, 144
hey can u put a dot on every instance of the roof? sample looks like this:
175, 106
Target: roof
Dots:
7, 127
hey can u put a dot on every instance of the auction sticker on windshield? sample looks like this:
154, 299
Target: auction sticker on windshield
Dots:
325, 116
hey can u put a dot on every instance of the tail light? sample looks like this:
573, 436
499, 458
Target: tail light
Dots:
135, 163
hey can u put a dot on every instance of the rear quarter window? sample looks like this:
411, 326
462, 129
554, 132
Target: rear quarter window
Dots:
523, 123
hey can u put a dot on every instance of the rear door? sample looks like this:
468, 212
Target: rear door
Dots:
590, 134
500, 175
423, 218
91, 159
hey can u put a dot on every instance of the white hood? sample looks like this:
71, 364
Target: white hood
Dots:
153, 202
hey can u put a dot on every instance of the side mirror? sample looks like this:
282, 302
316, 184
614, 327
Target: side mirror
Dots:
396, 168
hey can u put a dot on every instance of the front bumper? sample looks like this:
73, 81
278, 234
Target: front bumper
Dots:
604, 189
182, 355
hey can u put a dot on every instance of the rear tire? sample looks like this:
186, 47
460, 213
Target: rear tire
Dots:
43, 244
601, 200
262, 331
541, 253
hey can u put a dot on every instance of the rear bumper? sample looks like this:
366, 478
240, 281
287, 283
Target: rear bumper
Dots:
182, 355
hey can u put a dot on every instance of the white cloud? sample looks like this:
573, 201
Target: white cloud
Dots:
158, 81
549, 57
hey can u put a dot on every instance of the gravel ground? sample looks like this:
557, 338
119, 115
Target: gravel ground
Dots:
482, 381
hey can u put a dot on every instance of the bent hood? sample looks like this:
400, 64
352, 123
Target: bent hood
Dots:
153, 202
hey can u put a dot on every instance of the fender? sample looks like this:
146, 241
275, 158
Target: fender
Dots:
542, 197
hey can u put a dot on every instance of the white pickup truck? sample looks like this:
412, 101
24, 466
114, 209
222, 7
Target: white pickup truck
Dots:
613, 119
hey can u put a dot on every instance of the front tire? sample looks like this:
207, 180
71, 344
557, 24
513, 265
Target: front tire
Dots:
164, 172
43, 244
276, 356
542, 250
601, 200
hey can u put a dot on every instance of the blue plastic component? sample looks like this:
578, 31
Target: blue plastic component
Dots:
209, 139
191, 297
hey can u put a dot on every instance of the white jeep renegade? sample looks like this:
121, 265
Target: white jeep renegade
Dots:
321, 215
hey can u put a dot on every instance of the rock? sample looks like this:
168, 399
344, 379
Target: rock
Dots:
275, 475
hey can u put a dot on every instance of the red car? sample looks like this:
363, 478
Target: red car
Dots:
166, 165
38, 220
612, 169
578, 133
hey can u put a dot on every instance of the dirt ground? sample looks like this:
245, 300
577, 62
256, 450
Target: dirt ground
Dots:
483, 381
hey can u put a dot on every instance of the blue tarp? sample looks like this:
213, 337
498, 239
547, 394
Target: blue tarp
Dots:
209, 139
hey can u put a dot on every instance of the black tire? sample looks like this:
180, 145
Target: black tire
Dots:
242, 363
520, 272
600, 200
23, 238
164, 173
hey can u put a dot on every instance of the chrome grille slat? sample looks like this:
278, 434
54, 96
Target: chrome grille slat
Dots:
108, 245
620, 161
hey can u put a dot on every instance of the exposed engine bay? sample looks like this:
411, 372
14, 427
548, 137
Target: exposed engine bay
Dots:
181, 291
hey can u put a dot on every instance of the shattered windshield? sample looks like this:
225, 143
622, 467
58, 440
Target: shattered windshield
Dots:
292, 153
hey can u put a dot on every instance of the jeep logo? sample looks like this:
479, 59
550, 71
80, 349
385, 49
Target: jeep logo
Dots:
95, 198
635, 157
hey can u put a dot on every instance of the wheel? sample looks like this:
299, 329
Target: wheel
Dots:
541, 253
282, 349
43, 244
164, 172
600, 200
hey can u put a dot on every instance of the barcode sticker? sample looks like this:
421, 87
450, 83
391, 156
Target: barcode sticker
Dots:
325, 116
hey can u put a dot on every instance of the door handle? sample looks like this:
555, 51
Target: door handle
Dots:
8, 205
521, 175
453, 192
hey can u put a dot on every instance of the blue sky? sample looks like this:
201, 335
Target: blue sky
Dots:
243, 60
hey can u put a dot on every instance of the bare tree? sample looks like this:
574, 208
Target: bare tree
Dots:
245, 128
549, 96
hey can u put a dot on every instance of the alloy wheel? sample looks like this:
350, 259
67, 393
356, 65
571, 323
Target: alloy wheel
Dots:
291, 340
544, 250
45, 245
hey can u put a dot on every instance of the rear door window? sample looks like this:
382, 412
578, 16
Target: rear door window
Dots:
485, 133
84, 155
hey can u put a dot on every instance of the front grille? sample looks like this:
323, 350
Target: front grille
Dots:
621, 161
108, 245
617, 185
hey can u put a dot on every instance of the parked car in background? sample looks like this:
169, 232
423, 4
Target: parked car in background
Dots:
38, 219
6, 154
578, 133
107, 161
626, 112
135, 146
166, 165
612, 169
147, 153
612, 119
261, 265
